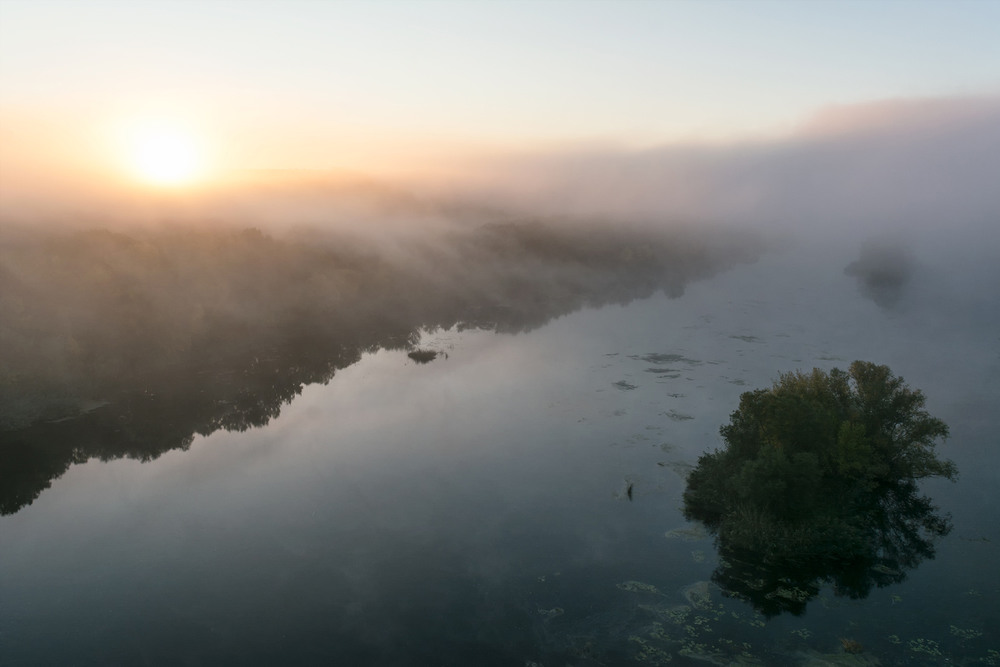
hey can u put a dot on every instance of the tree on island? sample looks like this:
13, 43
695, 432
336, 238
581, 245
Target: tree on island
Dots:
818, 482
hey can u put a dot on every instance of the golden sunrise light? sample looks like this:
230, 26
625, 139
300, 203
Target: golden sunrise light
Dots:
164, 154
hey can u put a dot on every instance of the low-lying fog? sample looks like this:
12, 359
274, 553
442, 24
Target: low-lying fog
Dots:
285, 278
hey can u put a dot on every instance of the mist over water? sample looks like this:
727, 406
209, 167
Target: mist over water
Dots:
310, 418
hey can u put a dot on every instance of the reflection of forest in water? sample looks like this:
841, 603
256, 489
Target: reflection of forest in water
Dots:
129, 344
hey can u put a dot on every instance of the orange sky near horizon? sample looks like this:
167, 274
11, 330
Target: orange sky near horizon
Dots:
151, 97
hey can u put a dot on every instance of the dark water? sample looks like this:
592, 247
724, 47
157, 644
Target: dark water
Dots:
514, 501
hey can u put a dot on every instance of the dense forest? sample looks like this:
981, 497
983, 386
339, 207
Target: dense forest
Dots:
129, 343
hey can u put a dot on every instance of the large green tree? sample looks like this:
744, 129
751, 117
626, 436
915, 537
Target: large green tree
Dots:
819, 475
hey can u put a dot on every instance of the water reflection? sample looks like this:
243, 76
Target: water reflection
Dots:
129, 345
897, 526
883, 271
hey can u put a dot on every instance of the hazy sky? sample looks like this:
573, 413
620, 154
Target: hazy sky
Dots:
332, 84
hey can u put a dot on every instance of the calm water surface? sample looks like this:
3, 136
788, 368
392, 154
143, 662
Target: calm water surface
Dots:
512, 502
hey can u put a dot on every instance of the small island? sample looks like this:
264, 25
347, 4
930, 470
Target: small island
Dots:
817, 484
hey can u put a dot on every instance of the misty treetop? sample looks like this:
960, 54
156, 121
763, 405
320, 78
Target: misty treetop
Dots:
817, 481
88, 313
818, 432
129, 342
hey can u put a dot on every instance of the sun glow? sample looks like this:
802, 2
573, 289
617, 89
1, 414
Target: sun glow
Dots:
163, 154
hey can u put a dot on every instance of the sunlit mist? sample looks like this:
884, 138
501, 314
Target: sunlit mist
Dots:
164, 155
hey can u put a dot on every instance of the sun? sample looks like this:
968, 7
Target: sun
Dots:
163, 154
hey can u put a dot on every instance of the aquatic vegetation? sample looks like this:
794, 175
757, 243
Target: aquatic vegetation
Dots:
702, 620
638, 587
659, 632
698, 595
625, 386
648, 653
926, 646
661, 359
664, 373
701, 631
679, 615
965, 633
851, 646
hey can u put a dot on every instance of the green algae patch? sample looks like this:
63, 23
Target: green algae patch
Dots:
649, 654
639, 587
698, 594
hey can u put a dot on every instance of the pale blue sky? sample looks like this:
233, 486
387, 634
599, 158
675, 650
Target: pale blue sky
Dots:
306, 75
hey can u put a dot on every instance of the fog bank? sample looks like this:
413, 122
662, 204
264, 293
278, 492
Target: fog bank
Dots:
913, 167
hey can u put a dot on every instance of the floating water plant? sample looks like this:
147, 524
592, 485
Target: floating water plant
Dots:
927, 646
963, 633
638, 587
648, 653
851, 646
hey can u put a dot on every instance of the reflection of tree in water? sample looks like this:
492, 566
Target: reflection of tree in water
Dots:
184, 332
882, 271
894, 534
817, 485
